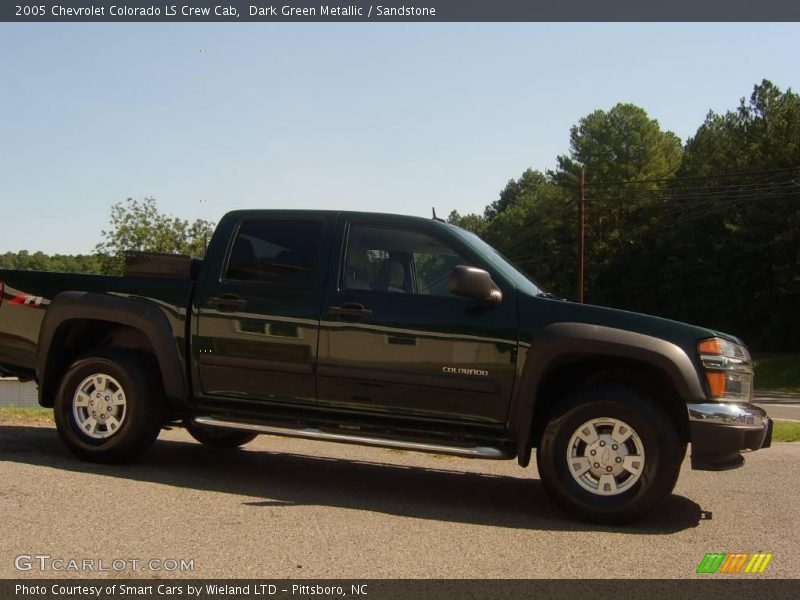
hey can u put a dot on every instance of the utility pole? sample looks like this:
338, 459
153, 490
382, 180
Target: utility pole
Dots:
581, 210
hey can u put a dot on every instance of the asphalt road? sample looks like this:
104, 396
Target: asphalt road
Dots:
779, 405
290, 508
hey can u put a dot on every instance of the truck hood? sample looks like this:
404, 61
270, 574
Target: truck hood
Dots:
537, 311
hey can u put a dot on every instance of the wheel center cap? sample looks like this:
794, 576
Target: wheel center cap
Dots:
605, 456
101, 406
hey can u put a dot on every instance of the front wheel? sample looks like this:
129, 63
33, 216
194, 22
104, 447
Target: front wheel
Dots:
609, 455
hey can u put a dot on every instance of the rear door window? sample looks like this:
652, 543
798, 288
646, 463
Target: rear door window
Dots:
280, 252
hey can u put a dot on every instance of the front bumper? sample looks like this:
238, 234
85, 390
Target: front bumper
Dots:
720, 432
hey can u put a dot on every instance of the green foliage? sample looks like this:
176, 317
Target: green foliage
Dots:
14, 415
39, 261
623, 144
527, 185
707, 233
777, 372
537, 232
731, 257
139, 225
786, 431
135, 225
471, 222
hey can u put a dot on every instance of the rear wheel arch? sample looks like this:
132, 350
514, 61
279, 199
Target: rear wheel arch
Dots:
78, 321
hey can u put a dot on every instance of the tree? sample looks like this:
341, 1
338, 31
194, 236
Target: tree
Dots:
627, 158
528, 184
744, 166
471, 222
139, 225
536, 232
622, 144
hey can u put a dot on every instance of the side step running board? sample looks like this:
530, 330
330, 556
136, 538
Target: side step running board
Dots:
316, 434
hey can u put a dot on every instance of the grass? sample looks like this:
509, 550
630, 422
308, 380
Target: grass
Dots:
784, 431
29, 416
777, 372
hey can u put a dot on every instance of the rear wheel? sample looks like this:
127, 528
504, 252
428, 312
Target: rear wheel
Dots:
609, 455
109, 407
218, 437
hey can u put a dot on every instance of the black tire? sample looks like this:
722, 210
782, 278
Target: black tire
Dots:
219, 437
662, 447
141, 416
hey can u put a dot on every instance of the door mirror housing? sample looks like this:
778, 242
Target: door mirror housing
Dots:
476, 284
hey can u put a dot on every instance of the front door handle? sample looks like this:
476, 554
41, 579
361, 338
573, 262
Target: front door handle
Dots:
351, 310
227, 302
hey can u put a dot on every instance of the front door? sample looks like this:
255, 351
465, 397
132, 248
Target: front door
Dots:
394, 340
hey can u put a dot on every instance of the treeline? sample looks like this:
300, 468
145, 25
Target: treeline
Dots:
39, 261
133, 225
706, 232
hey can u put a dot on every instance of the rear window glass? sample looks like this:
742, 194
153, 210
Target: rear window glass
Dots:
280, 252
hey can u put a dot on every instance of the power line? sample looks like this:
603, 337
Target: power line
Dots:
693, 178
686, 194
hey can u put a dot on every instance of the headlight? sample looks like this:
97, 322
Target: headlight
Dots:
729, 370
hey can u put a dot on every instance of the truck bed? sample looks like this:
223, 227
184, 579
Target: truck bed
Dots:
27, 295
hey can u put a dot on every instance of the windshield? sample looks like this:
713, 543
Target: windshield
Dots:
498, 261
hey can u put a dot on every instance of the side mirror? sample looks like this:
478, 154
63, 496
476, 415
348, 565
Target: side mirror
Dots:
476, 284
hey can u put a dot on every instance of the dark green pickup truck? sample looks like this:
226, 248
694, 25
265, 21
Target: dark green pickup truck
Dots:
381, 330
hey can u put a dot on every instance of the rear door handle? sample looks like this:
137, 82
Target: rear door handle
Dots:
227, 302
350, 310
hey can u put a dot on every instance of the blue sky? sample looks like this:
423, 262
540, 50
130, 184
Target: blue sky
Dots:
382, 117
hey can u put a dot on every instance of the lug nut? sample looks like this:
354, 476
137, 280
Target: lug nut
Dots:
619, 459
596, 465
593, 452
602, 444
614, 447
94, 414
608, 469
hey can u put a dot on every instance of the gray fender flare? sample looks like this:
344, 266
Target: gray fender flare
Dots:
563, 342
145, 317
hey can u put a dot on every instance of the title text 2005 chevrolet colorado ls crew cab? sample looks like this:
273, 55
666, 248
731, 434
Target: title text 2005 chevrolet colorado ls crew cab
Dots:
382, 330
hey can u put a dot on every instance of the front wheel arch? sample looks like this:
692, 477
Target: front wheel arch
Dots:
569, 375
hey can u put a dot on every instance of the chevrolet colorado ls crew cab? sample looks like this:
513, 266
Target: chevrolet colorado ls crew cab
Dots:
381, 330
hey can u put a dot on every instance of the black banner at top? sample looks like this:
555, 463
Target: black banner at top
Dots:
241, 11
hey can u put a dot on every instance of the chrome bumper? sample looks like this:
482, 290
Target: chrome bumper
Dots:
720, 413
721, 431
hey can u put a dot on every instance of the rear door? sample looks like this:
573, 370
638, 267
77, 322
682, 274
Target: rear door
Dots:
394, 340
258, 313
